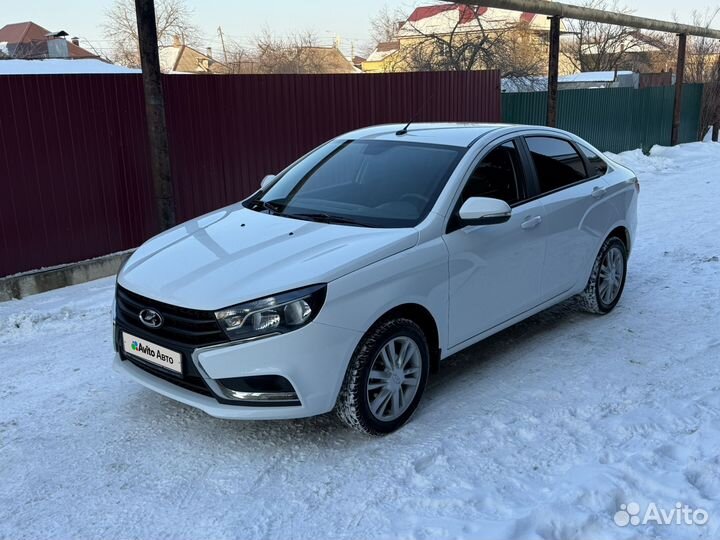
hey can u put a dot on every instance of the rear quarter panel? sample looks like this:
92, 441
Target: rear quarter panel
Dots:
617, 209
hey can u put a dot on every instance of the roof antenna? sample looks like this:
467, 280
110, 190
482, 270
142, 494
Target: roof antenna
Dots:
404, 130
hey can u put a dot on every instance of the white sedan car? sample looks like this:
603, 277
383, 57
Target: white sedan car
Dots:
344, 281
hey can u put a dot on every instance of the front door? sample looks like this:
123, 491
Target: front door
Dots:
495, 270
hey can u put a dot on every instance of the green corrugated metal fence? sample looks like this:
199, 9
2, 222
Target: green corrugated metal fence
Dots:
612, 119
691, 108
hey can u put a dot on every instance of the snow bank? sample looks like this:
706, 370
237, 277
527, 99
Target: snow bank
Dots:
665, 159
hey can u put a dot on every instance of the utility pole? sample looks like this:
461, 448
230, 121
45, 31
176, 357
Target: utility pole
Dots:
553, 68
679, 78
155, 112
222, 40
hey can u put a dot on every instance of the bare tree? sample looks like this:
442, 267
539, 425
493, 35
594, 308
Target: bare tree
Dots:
173, 19
703, 66
385, 24
702, 52
240, 60
293, 54
470, 45
597, 46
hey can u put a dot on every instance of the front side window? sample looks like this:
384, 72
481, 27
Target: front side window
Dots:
598, 167
556, 162
369, 183
497, 176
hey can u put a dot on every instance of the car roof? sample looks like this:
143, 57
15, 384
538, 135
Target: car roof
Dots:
451, 134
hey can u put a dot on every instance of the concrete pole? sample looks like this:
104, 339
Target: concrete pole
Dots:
155, 112
553, 67
679, 76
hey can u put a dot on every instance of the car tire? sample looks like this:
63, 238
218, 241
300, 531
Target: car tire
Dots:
607, 280
376, 381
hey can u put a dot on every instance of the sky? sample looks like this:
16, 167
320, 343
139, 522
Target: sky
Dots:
241, 20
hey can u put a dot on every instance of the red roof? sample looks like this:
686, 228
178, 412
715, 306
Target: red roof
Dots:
467, 13
15, 33
33, 39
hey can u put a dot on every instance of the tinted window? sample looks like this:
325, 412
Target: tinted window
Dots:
597, 166
370, 182
556, 162
497, 176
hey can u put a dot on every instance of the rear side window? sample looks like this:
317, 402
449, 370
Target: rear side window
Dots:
597, 166
556, 162
496, 176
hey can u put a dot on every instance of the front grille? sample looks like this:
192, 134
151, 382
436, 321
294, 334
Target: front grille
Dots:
189, 327
183, 331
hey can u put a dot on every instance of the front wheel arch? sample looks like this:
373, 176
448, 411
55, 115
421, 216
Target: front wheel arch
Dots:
421, 316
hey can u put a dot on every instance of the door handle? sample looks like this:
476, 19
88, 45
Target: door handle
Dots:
599, 192
531, 222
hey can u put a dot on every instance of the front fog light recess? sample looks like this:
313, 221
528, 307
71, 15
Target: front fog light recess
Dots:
277, 314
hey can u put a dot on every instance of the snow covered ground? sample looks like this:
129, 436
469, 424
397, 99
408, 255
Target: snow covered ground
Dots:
540, 432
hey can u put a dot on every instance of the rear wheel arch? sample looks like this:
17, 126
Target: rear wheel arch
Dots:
623, 234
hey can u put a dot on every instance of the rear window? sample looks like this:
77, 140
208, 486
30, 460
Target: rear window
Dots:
556, 162
598, 167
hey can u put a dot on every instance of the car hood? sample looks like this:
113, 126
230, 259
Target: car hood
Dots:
234, 255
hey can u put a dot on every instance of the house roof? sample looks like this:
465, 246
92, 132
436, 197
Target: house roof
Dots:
467, 13
16, 32
61, 66
30, 40
330, 59
593, 76
169, 57
444, 18
186, 59
383, 50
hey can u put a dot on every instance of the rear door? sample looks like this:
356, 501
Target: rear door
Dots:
572, 199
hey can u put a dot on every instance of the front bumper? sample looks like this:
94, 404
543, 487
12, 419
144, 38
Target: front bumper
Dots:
313, 359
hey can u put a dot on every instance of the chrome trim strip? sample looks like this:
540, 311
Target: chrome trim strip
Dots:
275, 397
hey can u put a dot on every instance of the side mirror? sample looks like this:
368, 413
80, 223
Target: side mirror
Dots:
265, 181
484, 211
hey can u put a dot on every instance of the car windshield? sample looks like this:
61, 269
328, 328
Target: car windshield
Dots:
367, 183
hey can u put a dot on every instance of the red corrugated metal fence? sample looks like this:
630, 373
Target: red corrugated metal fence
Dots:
74, 165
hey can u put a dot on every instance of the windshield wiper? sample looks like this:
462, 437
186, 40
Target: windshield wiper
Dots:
327, 218
273, 206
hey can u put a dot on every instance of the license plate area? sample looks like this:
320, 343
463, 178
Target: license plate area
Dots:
152, 353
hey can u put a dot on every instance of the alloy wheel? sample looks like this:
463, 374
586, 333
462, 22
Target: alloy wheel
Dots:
394, 378
611, 275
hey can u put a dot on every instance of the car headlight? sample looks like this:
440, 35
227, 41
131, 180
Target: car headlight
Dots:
276, 314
